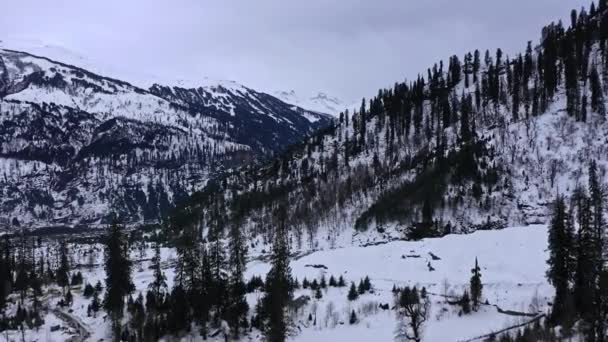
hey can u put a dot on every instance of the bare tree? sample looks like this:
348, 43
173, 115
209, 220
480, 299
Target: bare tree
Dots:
413, 311
446, 288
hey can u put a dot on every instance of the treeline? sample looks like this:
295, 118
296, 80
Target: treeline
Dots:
209, 292
577, 261
391, 159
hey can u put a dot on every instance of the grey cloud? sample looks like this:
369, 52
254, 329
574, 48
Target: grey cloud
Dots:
346, 48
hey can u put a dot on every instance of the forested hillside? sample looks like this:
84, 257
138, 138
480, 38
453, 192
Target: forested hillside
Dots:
77, 147
481, 141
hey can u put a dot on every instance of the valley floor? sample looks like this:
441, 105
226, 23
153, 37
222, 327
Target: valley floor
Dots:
512, 261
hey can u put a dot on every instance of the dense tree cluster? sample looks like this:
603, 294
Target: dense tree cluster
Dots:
577, 260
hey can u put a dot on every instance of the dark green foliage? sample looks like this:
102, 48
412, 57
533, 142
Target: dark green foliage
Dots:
317, 177
323, 282
62, 274
159, 284
561, 254
353, 294
238, 307
257, 283
318, 293
76, 279
278, 285
332, 281
476, 286
89, 290
118, 275
353, 318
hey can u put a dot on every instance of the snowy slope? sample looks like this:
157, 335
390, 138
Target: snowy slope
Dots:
512, 265
320, 102
76, 146
356, 184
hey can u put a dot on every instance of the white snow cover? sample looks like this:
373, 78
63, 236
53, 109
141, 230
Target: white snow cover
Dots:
513, 264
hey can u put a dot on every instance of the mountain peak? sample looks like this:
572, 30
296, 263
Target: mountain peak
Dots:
319, 102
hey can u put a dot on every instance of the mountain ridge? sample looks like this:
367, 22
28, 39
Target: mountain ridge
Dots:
63, 128
478, 142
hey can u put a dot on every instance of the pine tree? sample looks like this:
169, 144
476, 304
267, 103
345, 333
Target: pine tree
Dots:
118, 276
318, 293
476, 285
363, 124
341, 282
204, 300
353, 318
159, 284
561, 248
584, 277
353, 294
332, 281
323, 282
278, 284
361, 287
597, 95
367, 284
237, 262
217, 265
596, 194
63, 272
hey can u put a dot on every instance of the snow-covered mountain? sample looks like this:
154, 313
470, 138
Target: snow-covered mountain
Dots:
76, 146
320, 102
482, 142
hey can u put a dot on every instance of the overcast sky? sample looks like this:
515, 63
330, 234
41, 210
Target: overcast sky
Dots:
345, 48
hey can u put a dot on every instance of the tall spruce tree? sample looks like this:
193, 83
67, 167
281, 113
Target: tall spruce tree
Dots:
63, 272
159, 284
596, 193
278, 284
118, 276
561, 254
583, 284
238, 306
218, 265
476, 286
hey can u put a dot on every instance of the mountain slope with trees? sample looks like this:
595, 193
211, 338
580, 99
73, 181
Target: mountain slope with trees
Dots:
478, 142
76, 146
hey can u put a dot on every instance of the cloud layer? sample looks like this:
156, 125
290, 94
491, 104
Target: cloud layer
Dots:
347, 48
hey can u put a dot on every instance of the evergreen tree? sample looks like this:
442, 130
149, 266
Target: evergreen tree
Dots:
584, 277
217, 266
203, 306
332, 281
341, 282
561, 248
118, 276
363, 124
318, 293
237, 262
159, 284
597, 95
476, 286
353, 318
278, 284
596, 194
63, 272
353, 294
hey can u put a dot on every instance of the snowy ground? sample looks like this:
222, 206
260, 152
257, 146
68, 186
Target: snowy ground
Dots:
513, 273
513, 263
